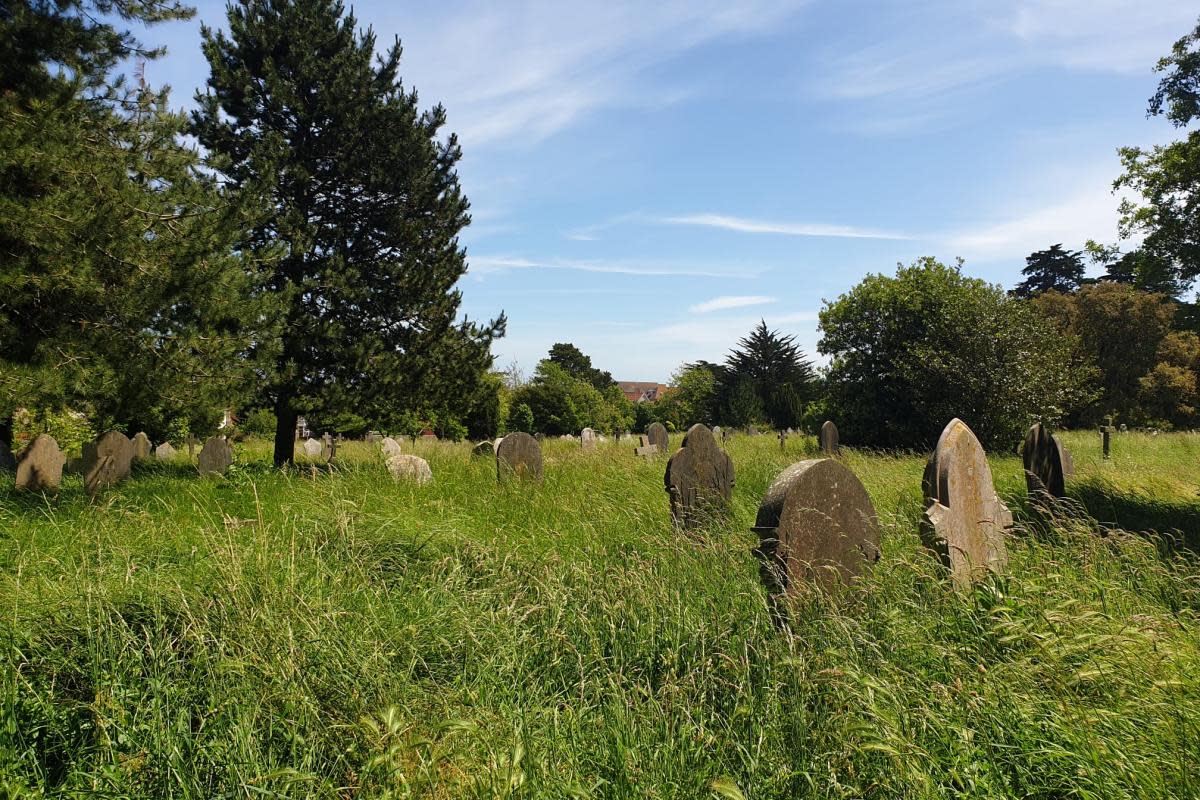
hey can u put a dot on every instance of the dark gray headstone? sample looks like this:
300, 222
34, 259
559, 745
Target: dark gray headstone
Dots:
106, 461
1043, 463
40, 467
215, 456
656, 432
519, 456
828, 438
964, 521
816, 524
699, 479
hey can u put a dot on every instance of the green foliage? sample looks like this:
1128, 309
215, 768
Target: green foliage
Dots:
1052, 270
564, 404
364, 206
766, 379
911, 352
520, 418
259, 422
70, 429
575, 363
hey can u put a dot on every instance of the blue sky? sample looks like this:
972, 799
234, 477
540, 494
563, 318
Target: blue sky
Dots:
648, 180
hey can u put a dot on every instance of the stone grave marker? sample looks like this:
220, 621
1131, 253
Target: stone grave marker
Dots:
164, 452
390, 447
374, 436
484, 449
1064, 458
698, 479
815, 524
215, 456
106, 461
192, 441
964, 521
519, 456
1043, 463
656, 432
141, 446
828, 438
644, 449
783, 437
312, 448
587, 439
40, 467
718, 434
410, 468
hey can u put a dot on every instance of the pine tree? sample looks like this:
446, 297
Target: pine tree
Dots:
365, 207
774, 368
1054, 269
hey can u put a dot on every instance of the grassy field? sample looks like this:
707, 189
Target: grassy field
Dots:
339, 635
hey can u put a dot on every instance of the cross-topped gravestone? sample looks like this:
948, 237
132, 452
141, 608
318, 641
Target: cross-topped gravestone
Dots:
215, 456
964, 521
828, 438
40, 467
587, 439
1043, 463
519, 456
816, 524
699, 479
656, 432
106, 461
644, 449
141, 446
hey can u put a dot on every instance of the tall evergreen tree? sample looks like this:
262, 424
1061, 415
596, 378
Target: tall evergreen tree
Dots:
774, 370
577, 364
1054, 269
364, 203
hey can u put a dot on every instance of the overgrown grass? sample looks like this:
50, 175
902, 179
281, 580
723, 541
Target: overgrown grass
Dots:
339, 635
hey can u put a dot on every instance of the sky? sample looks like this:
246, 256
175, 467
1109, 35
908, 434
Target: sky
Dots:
649, 180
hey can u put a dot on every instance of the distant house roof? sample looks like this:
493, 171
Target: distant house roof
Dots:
643, 391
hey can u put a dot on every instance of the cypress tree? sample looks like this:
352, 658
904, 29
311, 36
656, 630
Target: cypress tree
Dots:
364, 206
773, 369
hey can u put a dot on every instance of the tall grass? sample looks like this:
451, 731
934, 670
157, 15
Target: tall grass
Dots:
340, 635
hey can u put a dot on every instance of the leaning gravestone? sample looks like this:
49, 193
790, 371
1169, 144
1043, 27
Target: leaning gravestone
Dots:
587, 439
644, 449
1043, 461
519, 456
40, 467
215, 456
815, 524
964, 520
828, 438
410, 468
106, 461
312, 448
390, 447
657, 434
484, 449
699, 479
141, 446
164, 452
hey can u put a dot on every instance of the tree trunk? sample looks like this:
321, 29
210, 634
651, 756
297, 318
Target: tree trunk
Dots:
285, 432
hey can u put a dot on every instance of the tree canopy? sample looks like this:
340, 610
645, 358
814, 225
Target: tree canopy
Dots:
1052, 270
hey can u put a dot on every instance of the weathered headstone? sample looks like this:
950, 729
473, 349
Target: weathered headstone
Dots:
141, 446
374, 436
164, 452
484, 449
312, 448
215, 457
587, 439
192, 442
390, 447
106, 461
1043, 463
656, 432
964, 521
519, 456
828, 438
40, 467
815, 524
328, 447
410, 468
644, 449
698, 479
1064, 458
7, 462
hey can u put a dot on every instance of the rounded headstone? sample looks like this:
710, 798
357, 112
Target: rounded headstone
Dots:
141, 446
656, 433
312, 448
215, 457
410, 468
828, 438
964, 521
1043, 463
484, 449
40, 467
106, 461
165, 452
519, 456
816, 524
698, 479
587, 439
390, 447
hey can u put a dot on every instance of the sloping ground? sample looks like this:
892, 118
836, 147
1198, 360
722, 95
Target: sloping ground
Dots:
340, 635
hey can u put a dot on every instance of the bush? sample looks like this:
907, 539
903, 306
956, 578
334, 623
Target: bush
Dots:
260, 422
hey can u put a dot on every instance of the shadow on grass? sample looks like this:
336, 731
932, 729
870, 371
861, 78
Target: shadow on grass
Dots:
1176, 520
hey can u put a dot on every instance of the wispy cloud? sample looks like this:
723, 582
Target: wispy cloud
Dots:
744, 225
727, 302
483, 265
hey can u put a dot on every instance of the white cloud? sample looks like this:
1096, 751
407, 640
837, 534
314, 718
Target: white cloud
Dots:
484, 265
744, 225
727, 302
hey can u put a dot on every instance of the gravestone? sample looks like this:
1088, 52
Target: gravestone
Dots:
1106, 440
328, 447
215, 456
390, 447
312, 448
7, 462
484, 449
1043, 463
40, 467
1064, 458
644, 449
164, 452
964, 521
519, 456
374, 436
410, 468
699, 479
587, 439
828, 438
192, 441
656, 432
815, 524
141, 446
718, 434
783, 436
106, 461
